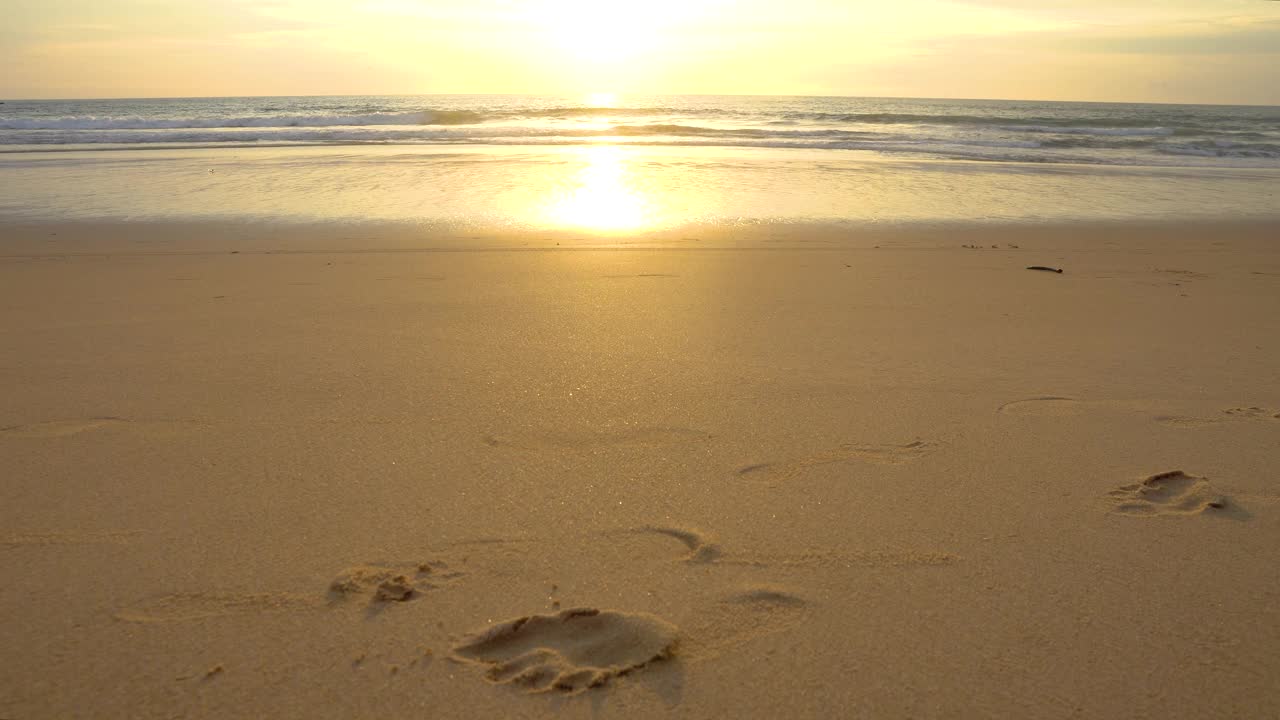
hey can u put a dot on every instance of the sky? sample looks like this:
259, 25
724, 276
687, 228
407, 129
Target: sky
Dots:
1196, 51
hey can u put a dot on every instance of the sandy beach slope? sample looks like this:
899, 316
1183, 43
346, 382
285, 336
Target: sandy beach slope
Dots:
293, 472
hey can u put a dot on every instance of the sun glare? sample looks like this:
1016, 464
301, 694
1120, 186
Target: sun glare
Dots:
601, 100
603, 197
604, 33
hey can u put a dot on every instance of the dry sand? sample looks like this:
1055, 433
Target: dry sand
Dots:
260, 471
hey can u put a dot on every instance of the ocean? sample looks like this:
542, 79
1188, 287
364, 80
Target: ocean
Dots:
1119, 134
650, 160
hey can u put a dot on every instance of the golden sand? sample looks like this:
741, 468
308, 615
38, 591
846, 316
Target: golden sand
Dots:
335, 472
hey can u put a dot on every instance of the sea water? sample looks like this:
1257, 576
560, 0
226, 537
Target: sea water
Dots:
624, 163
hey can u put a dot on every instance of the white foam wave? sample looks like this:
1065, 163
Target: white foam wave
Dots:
1061, 130
484, 133
1027, 143
1222, 150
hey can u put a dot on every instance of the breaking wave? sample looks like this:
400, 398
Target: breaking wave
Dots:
977, 130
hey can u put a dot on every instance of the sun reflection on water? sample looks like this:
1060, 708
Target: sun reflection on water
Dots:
604, 196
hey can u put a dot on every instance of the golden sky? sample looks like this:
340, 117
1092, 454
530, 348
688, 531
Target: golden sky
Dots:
1213, 51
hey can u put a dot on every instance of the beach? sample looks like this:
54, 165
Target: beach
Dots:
678, 407
874, 469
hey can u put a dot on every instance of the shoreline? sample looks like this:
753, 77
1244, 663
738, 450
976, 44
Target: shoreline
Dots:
621, 190
852, 155
23, 239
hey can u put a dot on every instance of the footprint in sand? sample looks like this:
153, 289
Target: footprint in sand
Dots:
63, 428
391, 582
629, 437
183, 607
878, 454
570, 651
1251, 412
576, 650
382, 583
1167, 493
702, 549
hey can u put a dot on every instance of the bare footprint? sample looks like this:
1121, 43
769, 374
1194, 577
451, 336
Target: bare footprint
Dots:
383, 583
878, 454
701, 549
182, 607
391, 582
1251, 412
1167, 493
570, 651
